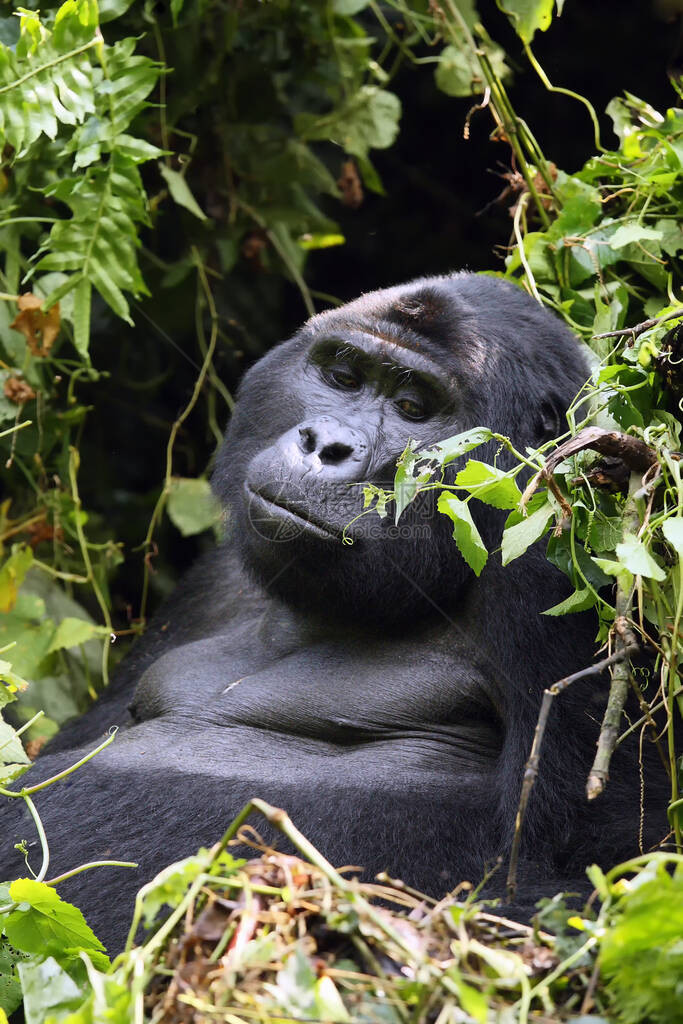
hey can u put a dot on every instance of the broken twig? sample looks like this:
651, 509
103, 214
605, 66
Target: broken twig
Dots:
531, 769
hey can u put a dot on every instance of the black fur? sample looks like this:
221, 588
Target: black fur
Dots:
378, 691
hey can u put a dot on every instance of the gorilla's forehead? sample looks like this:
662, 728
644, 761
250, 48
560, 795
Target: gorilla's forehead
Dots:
429, 319
393, 346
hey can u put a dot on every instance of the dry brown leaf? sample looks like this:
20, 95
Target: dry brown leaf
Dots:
18, 390
350, 185
40, 329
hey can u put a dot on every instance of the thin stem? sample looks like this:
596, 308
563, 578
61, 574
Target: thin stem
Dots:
198, 385
284, 256
531, 768
566, 92
621, 672
15, 428
29, 790
86, 867
74, 459
519, 210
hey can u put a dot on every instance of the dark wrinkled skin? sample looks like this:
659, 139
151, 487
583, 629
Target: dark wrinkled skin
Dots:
379, 692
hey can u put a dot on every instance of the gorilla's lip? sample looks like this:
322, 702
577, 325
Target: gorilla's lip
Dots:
282, 509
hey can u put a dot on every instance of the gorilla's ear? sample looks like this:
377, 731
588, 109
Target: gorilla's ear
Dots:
550, 420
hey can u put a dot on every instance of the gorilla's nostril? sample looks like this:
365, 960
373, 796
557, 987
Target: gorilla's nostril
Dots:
334, 453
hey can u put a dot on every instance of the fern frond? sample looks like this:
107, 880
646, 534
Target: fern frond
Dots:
98, 242
48, 79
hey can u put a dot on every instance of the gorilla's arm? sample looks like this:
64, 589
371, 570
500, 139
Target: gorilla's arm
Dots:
185, 616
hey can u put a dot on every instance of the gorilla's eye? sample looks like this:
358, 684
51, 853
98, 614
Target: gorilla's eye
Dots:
342, 377
411, 409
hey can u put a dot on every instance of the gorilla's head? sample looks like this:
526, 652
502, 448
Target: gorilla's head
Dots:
334, 407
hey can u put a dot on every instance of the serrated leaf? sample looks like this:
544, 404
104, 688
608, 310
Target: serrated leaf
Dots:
453, 447
489, 484
579, 601
635, 557
44, 922
192, 506
672, 529
465, 533
180, 191
516, 539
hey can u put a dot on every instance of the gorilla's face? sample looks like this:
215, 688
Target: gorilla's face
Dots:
363, 398
333, 409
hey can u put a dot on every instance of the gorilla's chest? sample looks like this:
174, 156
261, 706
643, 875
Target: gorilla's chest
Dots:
346, 692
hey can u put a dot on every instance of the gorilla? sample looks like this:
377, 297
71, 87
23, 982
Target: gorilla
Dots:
377, 690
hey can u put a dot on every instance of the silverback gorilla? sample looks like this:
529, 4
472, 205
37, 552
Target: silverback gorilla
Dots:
378, 691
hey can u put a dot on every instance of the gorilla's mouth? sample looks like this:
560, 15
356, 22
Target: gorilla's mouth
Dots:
273, 513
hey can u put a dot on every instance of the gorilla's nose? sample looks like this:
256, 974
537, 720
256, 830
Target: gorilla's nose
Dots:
333, 445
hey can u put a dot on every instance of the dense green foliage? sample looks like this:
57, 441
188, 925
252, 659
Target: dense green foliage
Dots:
109, 133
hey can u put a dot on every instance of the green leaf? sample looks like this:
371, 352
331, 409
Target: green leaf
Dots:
192, 506
170, 885
100, 240
349, 7
320, 241
489, 484
635, 557
112, 9
70, 632
458, 72
11, 750
517, 538
470, 544
8, 773
528, 16
368, 120
10, 683
10, 987
176, 9
632, 231
12, 575
407, 479
672, 529
37, 77
453, 447
641, 953
48, 990
579, 601
44, 922
295, 986
81, 316
328, 1003
180, 191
